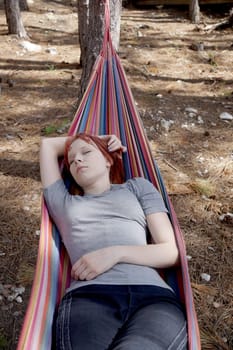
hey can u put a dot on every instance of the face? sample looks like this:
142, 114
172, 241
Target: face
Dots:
87, 164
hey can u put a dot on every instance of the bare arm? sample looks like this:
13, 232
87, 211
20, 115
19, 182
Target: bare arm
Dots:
162, 254
53, 147
50, 149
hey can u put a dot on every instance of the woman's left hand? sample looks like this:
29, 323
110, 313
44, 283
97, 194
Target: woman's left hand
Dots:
95, 263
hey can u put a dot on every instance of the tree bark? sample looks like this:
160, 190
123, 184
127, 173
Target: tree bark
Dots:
83, 29
115, 9
23, 5
194, 11
91, 32
14, 19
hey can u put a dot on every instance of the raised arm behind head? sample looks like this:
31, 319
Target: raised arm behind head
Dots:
53, 148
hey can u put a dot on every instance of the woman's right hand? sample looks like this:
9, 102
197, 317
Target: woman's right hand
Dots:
95, 263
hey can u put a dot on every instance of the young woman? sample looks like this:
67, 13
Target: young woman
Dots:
116, 300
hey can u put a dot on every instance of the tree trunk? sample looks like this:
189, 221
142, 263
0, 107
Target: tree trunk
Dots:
14, 19
83, 29
115, 9
194, 11
91, 32
23, 5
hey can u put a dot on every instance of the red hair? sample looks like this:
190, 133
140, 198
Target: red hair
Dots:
116, 174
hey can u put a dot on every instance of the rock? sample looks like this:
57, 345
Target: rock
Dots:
19, 299
205, 276
216, 305
166, 124
226, 116
51, 50
10, 297
144, 26
227, 218
211, 248
192, 115
50, 15
35, 197
191, 110
188, 126
9, 137
19, 290
197, 46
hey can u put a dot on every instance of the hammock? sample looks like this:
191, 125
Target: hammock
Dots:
107, 107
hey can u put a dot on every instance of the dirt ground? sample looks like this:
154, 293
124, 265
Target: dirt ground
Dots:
182, 79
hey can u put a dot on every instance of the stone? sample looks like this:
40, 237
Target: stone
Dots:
206, 277
226, 116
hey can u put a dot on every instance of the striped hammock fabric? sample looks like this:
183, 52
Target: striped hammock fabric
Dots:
107, 107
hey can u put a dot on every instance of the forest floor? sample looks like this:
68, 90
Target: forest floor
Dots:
181, 77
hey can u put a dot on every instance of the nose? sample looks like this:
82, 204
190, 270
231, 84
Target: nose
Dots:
78, 160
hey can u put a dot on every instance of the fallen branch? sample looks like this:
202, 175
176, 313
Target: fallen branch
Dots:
227, 23
169, 164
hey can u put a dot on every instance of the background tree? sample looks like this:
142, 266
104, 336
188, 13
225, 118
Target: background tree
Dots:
23, 5
91, 32
194, 11
14, 19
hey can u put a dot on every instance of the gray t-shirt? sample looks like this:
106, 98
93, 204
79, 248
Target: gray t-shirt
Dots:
115, 217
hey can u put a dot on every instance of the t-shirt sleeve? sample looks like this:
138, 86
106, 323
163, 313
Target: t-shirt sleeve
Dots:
148, 196
56, 195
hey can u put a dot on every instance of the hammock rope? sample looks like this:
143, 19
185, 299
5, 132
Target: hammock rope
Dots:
107, 107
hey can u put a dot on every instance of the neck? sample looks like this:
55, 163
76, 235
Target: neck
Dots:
98, 187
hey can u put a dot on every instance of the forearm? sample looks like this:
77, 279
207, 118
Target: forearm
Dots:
50, 149
97, 262
54, 145
161, 255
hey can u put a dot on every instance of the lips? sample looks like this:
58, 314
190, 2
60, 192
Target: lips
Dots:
80, 168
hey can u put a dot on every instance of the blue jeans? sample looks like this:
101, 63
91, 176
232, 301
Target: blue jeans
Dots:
130, 317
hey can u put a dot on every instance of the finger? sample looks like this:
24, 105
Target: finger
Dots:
77, 269
114, 144
112, 138
83, 275
124, 149
91, 276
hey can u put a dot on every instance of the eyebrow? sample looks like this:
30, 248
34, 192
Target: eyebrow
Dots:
71, 154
